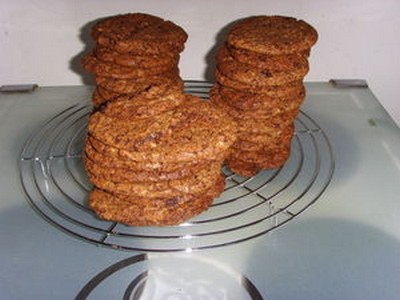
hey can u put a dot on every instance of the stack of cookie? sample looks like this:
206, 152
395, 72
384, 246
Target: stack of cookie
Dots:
135, 54
259, 82
153, 154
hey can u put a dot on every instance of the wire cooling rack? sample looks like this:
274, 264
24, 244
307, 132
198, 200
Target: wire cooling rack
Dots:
55, 182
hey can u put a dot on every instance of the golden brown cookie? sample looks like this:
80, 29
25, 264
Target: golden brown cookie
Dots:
127, 174
276, 62
262, 127
272, 35
101, 95
140, 106
132, 86
136, 61
255, 76
264, 155
252, 142
262, 63
253, 123
163, 212
139, 33
97, 99
195, 130
243, 168
265, 138
224, 80
100, 68
108, 94
136, 211
193, 185
127, 135
250, 163
283, 97
289, 109
110, 157
249, 169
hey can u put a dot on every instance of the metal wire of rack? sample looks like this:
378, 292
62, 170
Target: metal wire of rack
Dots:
55, 182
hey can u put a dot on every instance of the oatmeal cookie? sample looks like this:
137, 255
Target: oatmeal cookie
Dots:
100, 68
127, 174
139, 33
110, 157
281, 99
102, 95
140, 106
132, 86
194, 130
249, 164
258, 142
287, 110
135, 211
258, 76
276, 62
225, 81
192, 185
135, 61
227, 58
272, 35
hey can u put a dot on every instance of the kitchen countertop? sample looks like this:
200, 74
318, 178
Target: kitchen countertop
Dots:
346, 245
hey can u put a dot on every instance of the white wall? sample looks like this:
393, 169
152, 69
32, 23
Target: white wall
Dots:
41, 41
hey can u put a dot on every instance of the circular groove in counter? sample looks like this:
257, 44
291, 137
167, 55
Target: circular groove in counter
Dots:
54, 180
146, 276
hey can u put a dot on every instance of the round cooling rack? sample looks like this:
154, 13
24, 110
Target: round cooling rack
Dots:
54, 179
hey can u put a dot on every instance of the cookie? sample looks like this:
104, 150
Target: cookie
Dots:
254, 122
194, 130
110, 95
126, 174
132, 86
100, 68
230, 58
192, 185
259, 76
109, 157
269, 134
135, 61
250, 163
141, 106
277, 100
276, 62
139, 33
247, 146
150, 92
243, 168
249, 169
224, 80
264, 155
136, 211
272, 35
259, 142
287, 109
163, 212
97, 99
